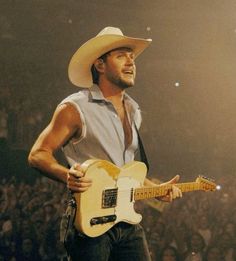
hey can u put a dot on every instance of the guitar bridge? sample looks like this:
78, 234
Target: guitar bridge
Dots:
109, 198
102, 220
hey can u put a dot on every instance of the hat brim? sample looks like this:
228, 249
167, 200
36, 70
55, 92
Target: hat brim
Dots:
79, 70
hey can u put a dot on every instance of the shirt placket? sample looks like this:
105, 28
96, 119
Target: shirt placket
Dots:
120, 130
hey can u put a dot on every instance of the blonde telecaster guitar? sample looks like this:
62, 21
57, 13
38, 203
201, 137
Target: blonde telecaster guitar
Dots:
111, 197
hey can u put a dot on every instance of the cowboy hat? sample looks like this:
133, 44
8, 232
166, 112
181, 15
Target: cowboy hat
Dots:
109, 38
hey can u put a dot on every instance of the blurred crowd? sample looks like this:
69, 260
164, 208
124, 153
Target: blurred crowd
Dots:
21, 118
30, 220
199, 227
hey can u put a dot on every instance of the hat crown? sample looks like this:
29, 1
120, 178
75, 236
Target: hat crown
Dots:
110, 30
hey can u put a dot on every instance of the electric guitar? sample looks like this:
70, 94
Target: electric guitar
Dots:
111, 197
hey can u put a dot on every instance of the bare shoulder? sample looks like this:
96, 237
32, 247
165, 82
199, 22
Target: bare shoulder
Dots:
64, 125
67, 114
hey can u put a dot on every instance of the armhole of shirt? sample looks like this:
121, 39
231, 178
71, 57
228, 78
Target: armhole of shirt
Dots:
83, 132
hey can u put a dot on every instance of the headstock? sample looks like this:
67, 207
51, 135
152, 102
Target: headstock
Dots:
206, 184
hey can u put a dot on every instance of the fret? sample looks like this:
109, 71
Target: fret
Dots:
162, 190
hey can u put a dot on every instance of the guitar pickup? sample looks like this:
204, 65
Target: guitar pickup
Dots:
102, 220
109, 198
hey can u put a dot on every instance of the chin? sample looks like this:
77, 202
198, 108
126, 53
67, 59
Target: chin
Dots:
126, 85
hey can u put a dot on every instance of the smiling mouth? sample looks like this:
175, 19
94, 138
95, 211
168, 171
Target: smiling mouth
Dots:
128, 72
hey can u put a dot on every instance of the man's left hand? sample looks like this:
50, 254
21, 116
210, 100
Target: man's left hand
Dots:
174, 191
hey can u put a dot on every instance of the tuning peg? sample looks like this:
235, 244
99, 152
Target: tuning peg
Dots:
204, 177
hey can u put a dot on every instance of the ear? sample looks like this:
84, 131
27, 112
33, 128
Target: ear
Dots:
99, 65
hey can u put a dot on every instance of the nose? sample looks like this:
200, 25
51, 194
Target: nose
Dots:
130, 59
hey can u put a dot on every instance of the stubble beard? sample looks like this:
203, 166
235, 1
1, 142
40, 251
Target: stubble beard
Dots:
121, 83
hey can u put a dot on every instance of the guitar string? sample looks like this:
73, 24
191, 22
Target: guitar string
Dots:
148, 190
129, 192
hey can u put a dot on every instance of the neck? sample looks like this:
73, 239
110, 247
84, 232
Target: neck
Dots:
112, 92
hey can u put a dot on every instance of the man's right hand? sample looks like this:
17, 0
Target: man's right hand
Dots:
76, 181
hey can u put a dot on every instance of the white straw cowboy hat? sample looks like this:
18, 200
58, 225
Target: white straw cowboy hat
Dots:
109, 38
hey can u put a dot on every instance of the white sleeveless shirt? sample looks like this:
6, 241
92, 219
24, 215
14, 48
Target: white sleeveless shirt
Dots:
102, 131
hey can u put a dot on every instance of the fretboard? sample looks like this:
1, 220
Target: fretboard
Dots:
152, 192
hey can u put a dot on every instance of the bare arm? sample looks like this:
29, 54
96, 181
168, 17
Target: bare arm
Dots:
60, 129
65, 124
173, 194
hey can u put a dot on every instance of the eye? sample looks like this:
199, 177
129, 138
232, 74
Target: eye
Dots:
131, 55
120, 55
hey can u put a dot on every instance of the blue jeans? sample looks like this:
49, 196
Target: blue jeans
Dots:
122, 242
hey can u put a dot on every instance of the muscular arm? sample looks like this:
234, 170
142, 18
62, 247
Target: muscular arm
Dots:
65, 124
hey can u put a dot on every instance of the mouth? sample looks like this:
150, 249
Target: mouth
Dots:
128, 72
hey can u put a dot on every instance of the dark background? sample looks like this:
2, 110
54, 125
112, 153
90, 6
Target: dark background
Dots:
187, 129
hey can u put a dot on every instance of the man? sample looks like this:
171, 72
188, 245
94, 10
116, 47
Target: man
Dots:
98, 122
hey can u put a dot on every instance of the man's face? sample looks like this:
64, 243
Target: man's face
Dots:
120, 68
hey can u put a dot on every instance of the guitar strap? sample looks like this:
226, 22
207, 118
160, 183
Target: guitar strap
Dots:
143, 154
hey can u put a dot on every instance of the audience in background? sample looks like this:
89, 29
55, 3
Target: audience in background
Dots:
202, 227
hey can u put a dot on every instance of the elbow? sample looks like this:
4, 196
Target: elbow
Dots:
32, 159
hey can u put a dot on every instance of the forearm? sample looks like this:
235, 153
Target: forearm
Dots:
48, 165
149, 183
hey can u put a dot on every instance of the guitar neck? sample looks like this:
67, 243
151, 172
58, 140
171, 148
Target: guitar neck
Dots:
152, 192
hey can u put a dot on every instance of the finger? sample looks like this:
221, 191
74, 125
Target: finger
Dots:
85, 180
78, 186
77, 189
174, 180
177, 193
164, 198
180, 194
76, 173
82, 184
76, 166
79, 182
82, 180
75, 176
76, 180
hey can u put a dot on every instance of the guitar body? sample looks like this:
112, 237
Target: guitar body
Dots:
114, 190
110, 198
